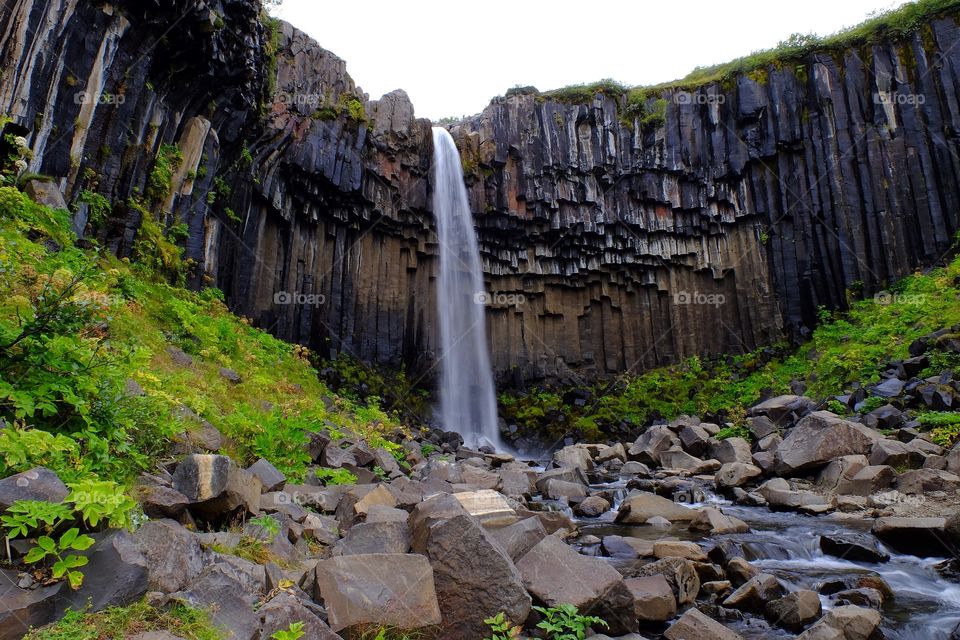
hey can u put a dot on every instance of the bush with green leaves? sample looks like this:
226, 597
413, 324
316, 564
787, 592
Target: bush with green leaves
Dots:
944, 426
65, 564
293, 632
501, 628
565, 622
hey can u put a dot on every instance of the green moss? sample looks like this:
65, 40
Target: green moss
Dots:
585, 93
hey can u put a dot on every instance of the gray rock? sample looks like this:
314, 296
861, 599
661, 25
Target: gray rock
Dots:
285, 608
819, 438
115, 576
639, 507
795, 610
158, 501
228, 597
653, 599
731, 450
916, 536
592, 507
852, 546
215, 486
654, 441
268, 475
38, 483
21, 609
173, 555
755, 593
694, 625
736, 474
374, 537
679, 572
844, 623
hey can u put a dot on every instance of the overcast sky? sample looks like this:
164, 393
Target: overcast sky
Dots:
452, 57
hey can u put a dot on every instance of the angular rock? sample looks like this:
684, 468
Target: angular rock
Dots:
489, 507
555, 489
755, 593
844, 623
922, 537
229, 598
173, 555
268, 475
215, 486
592, 507
639, 507
922, 481
284, 609
679, 549
359, 590
731, 450
679, 460
518, 538
21, 609
158, 501
555, 574
679, 572
694, 440
714, 522
374, 537
694, 625
852, 546
648, 447
819, 438
795, 610
626, 547
653, 599
736, 474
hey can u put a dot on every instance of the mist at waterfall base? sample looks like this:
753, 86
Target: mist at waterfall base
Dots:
468, 402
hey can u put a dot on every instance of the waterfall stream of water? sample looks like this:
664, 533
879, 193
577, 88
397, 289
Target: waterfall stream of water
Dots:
467, 399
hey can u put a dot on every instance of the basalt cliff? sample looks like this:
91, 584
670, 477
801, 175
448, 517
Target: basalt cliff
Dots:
610, 242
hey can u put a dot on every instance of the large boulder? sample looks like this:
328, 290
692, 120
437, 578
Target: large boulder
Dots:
795, 610
230, 597
819, 438
640, 506
115, 576
736, 474
654, 441
216, 487
653, 599
374, 537
782, 410
518, 538
916, 536
714, 522
38, 484
844, 623
922, 481
694, 625
731, 450
394, 590
475, 577
287, 608
269, 476
755, 593
174, 556
555, 573
680, 573
852, 546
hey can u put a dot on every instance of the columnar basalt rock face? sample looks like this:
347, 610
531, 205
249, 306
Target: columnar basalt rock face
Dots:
754, 202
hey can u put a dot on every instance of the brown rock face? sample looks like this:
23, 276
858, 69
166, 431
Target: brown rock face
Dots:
632, 244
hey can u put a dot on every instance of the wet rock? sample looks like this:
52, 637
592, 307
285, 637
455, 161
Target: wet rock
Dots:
862, 597
555, 489
844, 623
740, 571
819, 438
573, 456
780, 496
725, 551
555, 573
795, 610
268, 475
678, 549
592, 507
755, 593
487, 506
38, 483
736, 474
357, 590
915, 536
633, 468
852, 546
714, 522
639, 507
653, 599
626, 547
694, 625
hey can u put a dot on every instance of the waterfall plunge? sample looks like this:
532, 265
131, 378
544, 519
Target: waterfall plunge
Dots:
467, 400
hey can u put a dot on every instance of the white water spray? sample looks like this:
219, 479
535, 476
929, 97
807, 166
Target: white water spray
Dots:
467, 399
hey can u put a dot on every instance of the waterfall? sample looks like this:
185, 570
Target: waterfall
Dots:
467, 400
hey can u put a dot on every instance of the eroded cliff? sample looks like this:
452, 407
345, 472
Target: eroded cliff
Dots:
633, 242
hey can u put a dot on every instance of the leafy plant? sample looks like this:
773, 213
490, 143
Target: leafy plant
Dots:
267, 525
26, 516
734, 432
944, 426
501, 628
330, 477
65, 564
293, 632
102, 501
564, 622
166, 162
125, 622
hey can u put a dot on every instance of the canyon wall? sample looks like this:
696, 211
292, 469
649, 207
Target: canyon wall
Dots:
610, 242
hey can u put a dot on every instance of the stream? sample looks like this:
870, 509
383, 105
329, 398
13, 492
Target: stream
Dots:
925, 606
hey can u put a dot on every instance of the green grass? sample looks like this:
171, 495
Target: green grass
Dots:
845, 348
124, 622
93, 322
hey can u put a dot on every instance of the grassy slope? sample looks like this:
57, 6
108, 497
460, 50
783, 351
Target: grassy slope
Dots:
94, 322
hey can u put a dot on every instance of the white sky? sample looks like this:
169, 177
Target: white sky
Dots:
452, 57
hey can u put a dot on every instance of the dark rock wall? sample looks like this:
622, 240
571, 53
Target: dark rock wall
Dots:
722, 228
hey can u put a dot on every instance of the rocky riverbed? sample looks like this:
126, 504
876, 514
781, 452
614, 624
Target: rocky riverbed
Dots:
823, 527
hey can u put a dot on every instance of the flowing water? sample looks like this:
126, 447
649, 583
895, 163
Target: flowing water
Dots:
467, 399
925, 606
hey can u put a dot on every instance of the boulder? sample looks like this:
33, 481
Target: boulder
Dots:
680, 573
781, 496
323, 529
383, 513
592, 507
115, 576
731, 450
286, 608
487, 506
374, 537
714, 522
639, 507
38, 483
378, 589
648, 447
158, 501
694, 625
736, 474
852, 546
694, 439
173, 555
614, 452
554, 573
268, 475
653, 599
475, 577
922, 537
894, 453
862, 597
216, 487
795, 610
844, 623
761, 427
676, 459
678, 549
555, 489
518, 538
229, 596
740, 571
867, 481
782, 410
626, 547
819, 438
566, 474
755, 593
21, 609
922, 481
573, 456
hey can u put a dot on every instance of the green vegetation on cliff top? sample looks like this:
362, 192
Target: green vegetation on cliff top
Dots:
894, 24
